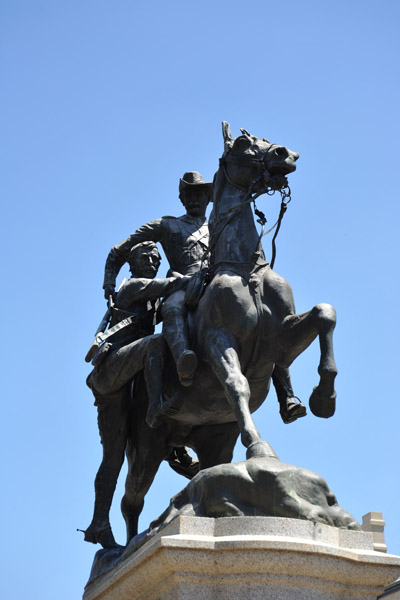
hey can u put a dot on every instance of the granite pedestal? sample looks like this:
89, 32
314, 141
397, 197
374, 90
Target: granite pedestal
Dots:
243, 558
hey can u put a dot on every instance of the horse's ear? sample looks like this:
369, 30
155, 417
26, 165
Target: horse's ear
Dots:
226, 132
245, 132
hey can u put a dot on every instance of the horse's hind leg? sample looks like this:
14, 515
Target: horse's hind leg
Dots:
143, 463
146, 448
297, 333
223, 359
214, 444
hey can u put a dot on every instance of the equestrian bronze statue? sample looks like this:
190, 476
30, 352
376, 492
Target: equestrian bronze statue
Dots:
243, 330
245, 324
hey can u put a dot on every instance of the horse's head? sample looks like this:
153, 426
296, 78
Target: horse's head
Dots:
253, 163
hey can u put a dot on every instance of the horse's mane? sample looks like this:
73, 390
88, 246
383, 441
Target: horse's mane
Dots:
218, 182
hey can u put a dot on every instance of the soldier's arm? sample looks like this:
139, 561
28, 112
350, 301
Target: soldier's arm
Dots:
118, 255
141, 290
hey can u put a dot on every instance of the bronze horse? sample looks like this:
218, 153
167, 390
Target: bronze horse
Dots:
245, 325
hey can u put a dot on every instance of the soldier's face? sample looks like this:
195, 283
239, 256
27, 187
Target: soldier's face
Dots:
146, 263
195, 201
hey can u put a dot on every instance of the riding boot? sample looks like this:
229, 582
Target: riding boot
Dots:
176, 333
291, 408
99, 530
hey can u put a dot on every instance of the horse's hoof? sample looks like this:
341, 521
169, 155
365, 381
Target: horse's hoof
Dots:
182, 462
321, 405
292, 409
260, 450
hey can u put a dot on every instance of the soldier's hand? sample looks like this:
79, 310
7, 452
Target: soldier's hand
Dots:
109, 290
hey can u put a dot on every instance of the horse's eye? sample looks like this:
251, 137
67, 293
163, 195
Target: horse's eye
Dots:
280, 151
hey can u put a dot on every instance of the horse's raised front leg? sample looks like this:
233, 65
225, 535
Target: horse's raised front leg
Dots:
297, 333
223, 359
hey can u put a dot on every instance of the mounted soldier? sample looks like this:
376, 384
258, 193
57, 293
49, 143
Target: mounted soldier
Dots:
184, 240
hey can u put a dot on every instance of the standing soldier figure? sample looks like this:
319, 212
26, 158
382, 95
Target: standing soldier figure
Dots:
131, 349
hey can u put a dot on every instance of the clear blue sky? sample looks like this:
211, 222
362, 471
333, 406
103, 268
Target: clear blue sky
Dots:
104, 105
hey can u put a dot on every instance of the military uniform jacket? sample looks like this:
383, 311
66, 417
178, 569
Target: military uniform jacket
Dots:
138, 297
183, 239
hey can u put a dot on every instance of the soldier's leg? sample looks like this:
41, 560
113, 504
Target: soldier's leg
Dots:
290, 407
176, 333
113, 418
121, 366
110, 383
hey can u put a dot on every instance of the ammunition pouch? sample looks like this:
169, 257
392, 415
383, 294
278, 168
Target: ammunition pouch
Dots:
101, 354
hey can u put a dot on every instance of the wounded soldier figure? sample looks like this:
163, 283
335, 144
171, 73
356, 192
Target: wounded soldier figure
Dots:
133, 348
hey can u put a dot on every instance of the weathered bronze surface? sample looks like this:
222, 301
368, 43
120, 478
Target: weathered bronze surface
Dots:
229, 328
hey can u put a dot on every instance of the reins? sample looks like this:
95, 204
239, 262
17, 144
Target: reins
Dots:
285, 199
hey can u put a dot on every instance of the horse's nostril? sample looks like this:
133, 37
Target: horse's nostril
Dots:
280, 151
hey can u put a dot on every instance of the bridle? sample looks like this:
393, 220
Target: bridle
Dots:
263, 178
